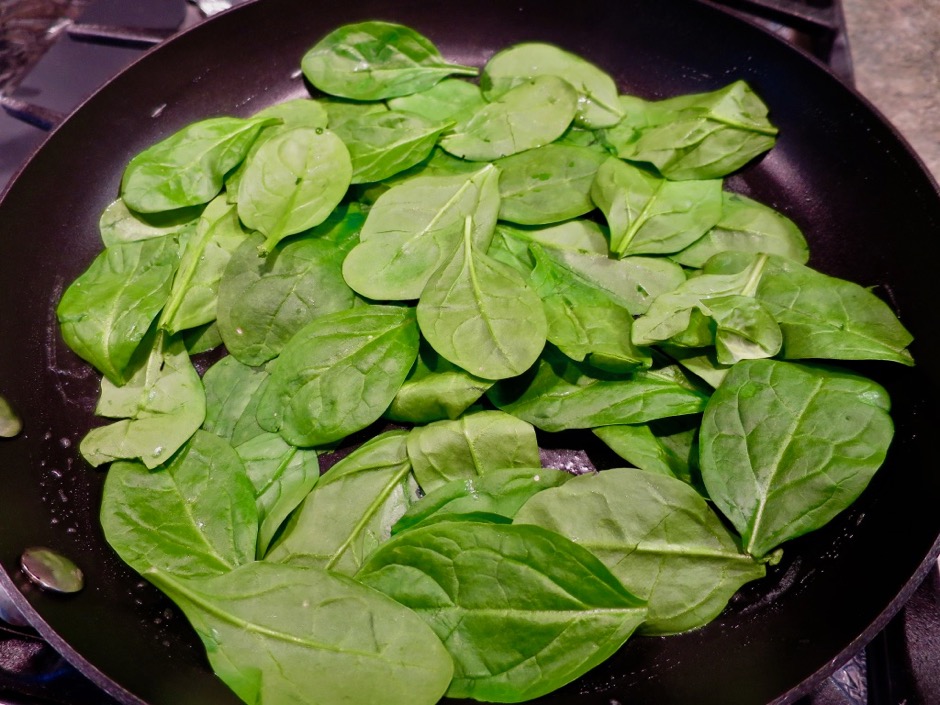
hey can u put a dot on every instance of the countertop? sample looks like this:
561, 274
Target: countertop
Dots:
895, 47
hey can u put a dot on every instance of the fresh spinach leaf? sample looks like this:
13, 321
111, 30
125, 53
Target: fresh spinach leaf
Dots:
10, 423
383, 144
202, 338
747, 226
339, 373
547, 184
597, 92
498, 494
106, 312
264, 301
451, 99
161, 405
580, 235
205, 255
785, 447
195, 517
376, 60
293, 183
470, 447
532, 114
481, 315
521, 610
268, 627
667, 446
188, 167
352, 510
415, 228
119, 224
231, 387
562, 394
282, 476
657, 535
435, 389
649, 215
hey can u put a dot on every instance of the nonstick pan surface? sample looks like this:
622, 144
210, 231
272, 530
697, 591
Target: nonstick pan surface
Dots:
865, 203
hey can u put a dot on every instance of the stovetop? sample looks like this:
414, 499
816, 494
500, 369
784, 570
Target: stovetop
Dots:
55, 53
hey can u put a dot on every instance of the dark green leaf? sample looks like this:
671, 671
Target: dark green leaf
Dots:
451, 99
232, 390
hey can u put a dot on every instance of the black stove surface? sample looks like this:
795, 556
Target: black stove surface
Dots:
55, 53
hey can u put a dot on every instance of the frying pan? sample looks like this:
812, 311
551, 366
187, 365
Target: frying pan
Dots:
867, 206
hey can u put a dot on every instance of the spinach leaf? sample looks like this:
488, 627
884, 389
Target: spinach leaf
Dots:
451, 99
657, 535
435, 389
667, 446
563, 394
339, 373
580, 235
268, 627
822, 316
293, 183
376, 60
498, 494
119, 224
231, 387
264, 301
193, 518
481, 315
383, 144
547, 184
785, 447
188, 167
282, 476
597, 92
202, 338
340, 111
702, 362
532, 114
105, 313
206, 253
521, 610
352, 510
747, 226
649, 215
415, 227
160, 407
470, 447
10, 424
700, 136
584, 322
632, 282
744, 329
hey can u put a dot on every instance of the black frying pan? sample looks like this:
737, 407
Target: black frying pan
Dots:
865, 203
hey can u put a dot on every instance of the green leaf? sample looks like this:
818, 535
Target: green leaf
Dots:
530, 115
521, 610
822, 316
747, 226
119, 224
785, 447
205, 255
264, 301
193, 518
415, 227
564, 395
188, 167
10, 424
649, 215
597, 92
481, 315
435, 389
499, 493
339, 373
745, 330
667, 446
160, 407
232, 390
376, 60
657, 535
451, 99
280, 634
106, 312
383, 144
547, 184
352, 510
202, 338
293, 182
282, 476
470, 447
580, 235
700, 136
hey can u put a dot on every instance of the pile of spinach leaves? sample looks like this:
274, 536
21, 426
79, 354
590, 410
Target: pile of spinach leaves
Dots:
474, 261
